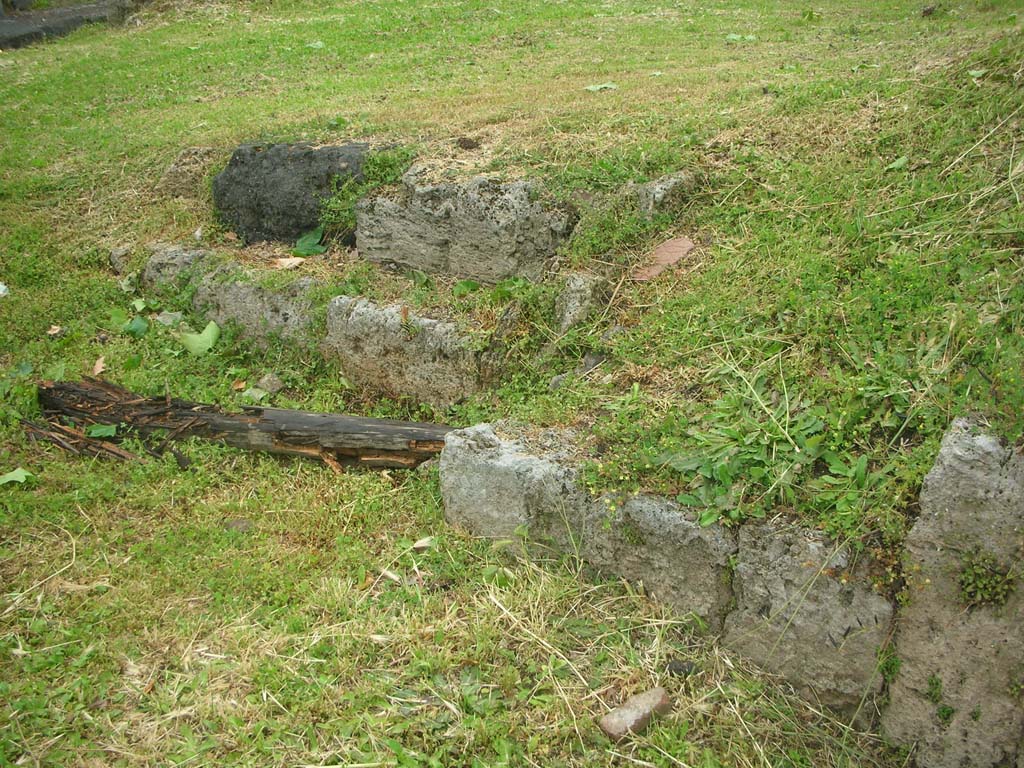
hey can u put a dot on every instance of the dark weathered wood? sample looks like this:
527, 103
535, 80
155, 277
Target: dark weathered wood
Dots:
333, 438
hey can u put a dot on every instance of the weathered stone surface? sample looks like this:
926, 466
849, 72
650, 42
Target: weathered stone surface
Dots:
803, 611
584, 294
228, 295
482, 229
172, 266
661, 194
958, 692
654, 541
635, 714
120, 259
496, 488
399, 353
271, 383
274, 191
184, 177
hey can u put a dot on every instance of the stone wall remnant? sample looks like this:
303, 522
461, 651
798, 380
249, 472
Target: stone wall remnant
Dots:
482, 229
398, 353
959, 690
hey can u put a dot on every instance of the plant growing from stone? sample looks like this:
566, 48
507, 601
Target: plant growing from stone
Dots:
984, 581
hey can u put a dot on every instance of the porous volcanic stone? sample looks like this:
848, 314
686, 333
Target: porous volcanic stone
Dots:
583, 295
228, 295
274, 191
805, 612
656, 542
497, 488
661, 194
172, 266
482, 229
400, 354
635, 714
958, 691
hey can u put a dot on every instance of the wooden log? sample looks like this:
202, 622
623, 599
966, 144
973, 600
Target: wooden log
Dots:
332, 438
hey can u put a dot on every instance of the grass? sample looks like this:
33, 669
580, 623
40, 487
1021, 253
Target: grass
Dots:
857, 285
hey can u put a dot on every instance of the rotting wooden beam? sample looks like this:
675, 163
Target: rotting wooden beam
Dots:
336, 439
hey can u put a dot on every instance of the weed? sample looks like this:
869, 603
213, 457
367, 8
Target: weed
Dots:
889, 664
945, 714
984, 581
934, 692
380, 169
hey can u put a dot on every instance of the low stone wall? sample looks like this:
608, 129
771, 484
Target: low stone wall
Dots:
384, 349
792, 600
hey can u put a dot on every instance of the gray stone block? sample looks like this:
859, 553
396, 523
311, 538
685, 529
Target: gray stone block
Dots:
805, 610
495, 488
172, 266
228, 295
664, 193
656, 542
583, 296
482, 229
959, 692
398, 353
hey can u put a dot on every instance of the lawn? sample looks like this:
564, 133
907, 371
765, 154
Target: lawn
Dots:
857, 285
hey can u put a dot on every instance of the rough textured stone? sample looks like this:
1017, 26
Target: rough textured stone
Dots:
496, 488
400, 354
228, 295
583, 295
120, 259
482, 229
271, 383
803, 611
663, 193
635, 714
274, 191
972, 502
171, 266
184, 177
654, 541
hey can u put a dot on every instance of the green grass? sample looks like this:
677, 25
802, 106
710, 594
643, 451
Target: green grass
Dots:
844, 305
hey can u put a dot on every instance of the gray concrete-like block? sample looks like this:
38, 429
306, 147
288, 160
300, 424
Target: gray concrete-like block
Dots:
228, 295
482, 229
496, 488
400, 354
583, 296
665, 192
654, 541
959, 692
806, 610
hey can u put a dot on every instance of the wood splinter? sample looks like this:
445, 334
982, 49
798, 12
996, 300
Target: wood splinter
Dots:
334, 439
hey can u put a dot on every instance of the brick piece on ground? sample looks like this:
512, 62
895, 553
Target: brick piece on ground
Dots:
635, 714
